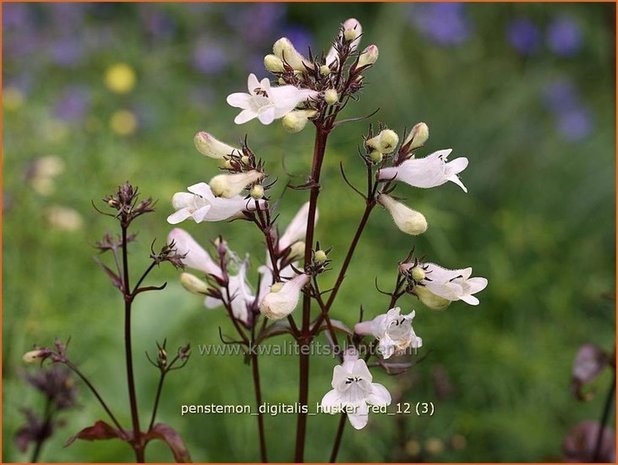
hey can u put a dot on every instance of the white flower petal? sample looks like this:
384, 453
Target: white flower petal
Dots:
179, 216
331, 401
244, 116
266, 115
359, 419
239, 100
379, 396
252, 82
200, 214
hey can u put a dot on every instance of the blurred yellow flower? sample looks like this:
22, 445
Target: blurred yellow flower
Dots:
123, 122
12, 98
63, 218
120, 78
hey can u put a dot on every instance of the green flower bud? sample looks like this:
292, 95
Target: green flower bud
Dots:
296, 120
320, 256
331, 97
274, 64
384, 142
257, 192
193, 284
376, 156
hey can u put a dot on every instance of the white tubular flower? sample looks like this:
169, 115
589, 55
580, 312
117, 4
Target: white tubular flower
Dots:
447, 284
368, 56
407, 220
296, 120
240, 293
287, 53
393, 330
195, 256
202, 205
353, 391
231, 185
211, 147
267, 103
384, 142
297, 228
431, 171
417, 137
279, 304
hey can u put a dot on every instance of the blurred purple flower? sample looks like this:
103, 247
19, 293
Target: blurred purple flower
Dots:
67, 15
564, 36
300, 37
445, 24
560, 95
575, 124
524, 36
574, 120
66, 51
157, 22
255, 23
73, 104
209, 57
16, 16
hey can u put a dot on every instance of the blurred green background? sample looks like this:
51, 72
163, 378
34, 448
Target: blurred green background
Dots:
525, 91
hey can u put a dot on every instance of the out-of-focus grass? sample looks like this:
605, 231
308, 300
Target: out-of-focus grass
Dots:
538, 222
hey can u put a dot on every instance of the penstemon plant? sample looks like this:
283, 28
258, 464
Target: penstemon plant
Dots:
289, 298
125, 206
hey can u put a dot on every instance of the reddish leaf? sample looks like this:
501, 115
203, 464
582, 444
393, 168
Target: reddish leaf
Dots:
100, 430
173, 440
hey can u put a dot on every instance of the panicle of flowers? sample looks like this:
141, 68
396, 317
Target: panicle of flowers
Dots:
58, 387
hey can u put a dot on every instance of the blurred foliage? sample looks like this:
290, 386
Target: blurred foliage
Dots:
538, 221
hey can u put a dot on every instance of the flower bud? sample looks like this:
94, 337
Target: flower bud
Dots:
297, 251
368, 57
430, 299
193, 284
376, 156
320, 256
384, 142
407, 220
277, 305
34, 356
257, 192
207, 145
330, 96
274, 64
324, 70
417, 273
230, 185
285, 51
417, 137
296, 120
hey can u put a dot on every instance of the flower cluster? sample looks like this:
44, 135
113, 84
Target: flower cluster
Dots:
314, 88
